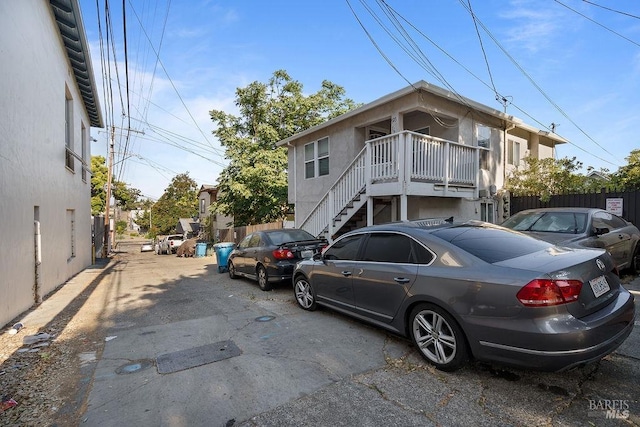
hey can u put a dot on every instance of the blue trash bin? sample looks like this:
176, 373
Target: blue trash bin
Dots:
223, 250
201, 249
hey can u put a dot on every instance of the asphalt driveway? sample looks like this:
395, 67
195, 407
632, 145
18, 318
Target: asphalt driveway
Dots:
186, 345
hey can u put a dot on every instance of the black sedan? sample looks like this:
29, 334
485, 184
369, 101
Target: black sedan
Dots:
583, 227
271, 255
474, 290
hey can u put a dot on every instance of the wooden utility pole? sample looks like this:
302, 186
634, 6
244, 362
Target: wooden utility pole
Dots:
107, 224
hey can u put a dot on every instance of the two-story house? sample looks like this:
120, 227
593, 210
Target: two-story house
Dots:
49, 102
420, 152
215, 222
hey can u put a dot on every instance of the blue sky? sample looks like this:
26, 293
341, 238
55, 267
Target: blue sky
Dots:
569, 62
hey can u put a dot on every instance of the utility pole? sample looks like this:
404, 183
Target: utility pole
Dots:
107, 231
107, 223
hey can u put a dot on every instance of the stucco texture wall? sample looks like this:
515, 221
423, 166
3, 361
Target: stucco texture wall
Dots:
35, 182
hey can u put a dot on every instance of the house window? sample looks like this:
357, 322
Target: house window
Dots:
483, 135
316, 158
513, 152
68, 130
85, 161
486, 212
202, 206
483, 138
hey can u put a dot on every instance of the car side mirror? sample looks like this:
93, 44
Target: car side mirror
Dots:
317, 257
601, 231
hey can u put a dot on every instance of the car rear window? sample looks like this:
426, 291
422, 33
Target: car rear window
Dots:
285, 236
491, 244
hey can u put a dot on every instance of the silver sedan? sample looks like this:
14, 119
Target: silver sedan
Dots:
473, 290
583, 227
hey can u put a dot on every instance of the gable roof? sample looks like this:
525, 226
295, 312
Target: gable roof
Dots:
69, 19
435, 90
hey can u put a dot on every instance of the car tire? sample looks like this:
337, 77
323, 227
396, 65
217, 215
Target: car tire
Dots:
635, 260
263, 278
438, 337
304, 293
232, 270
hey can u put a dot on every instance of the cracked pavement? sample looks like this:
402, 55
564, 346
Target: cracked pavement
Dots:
309, 368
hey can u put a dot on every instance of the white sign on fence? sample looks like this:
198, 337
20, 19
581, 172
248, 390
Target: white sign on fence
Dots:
615, 206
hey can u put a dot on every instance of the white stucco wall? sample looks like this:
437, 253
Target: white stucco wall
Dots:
33, 75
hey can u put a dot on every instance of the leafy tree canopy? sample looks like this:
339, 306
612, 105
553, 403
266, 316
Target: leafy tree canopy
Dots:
545, 177
628, 177
126, 197
99, 175
253, 187
179, 200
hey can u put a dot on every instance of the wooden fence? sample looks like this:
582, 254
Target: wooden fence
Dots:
630, 202
238, 233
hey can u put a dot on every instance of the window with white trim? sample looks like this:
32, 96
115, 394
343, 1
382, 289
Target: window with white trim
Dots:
513, 152
68, 130
486, 212
85, 160
483, 140
316, 158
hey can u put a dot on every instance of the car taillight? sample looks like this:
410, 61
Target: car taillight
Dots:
546, 292
283, 254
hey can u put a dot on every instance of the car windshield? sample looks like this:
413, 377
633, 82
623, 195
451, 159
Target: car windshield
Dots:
551, 222
285, 236
491, 244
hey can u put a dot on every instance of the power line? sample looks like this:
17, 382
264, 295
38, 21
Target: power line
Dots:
597, 23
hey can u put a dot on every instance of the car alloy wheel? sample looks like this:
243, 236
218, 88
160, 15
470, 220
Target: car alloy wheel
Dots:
438, 337
232, 270
304, 294
263, 278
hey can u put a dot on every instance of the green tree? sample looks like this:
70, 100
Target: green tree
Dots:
126, 197
99, 173
628, 177
546, 177
179, 200
253, 187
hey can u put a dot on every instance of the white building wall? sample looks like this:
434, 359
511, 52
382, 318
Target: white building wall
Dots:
34, 73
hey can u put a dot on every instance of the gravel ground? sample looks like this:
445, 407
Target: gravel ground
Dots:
48, 384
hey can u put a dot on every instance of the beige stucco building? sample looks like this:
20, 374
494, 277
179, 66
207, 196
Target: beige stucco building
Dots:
420, 152
49, 103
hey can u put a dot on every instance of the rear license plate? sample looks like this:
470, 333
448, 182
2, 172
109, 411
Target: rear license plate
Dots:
599, 286
306, 254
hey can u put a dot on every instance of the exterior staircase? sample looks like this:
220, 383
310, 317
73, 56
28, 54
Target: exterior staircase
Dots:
401, 164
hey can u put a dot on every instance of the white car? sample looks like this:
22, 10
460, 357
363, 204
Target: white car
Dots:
170, 244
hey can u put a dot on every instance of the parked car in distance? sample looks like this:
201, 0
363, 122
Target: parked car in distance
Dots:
583, 227
170, 244
473, 290
147, 246
270, 256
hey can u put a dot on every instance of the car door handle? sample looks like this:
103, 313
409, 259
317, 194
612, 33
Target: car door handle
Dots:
346, 273
401, 280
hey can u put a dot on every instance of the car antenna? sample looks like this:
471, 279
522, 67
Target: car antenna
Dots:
450, 219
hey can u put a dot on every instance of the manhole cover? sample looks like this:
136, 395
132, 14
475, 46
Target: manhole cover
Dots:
265, 318
134, 366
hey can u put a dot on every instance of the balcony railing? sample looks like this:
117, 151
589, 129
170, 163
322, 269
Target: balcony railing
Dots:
398, 164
